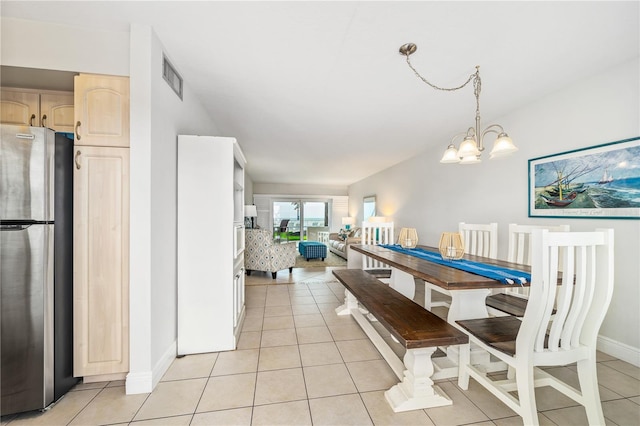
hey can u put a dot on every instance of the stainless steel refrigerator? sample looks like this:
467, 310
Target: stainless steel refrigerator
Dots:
36, 267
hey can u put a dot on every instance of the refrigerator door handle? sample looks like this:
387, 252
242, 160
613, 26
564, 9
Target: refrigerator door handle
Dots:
25, 136
14, 227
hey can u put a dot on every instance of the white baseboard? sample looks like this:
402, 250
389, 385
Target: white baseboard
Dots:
146, 381
141, 382
619, 350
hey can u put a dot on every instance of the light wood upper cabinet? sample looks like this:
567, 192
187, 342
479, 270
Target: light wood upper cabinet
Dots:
56, 111
30, 107
101, 110
101, 261
19, 107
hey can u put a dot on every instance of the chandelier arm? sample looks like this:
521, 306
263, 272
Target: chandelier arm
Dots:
446, 89
492, 129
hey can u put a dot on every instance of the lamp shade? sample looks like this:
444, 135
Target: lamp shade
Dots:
450, 155
468, 147
470, 159
348, 220
503, 146
377, 219
250, 211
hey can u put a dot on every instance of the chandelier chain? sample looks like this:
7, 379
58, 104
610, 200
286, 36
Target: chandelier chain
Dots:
473, 144
475, 75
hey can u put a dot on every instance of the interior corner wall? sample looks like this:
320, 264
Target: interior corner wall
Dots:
433, 197
158, 116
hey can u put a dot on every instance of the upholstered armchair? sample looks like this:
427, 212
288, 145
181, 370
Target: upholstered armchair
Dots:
262, 254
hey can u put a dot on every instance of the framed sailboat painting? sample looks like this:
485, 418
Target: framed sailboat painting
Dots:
601, 181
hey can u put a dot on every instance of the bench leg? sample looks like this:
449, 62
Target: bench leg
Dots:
350, 302
417, 391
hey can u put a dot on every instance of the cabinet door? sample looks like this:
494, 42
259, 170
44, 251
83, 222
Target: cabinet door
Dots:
17, 107
101, 260
101, 110
238, 299
57, 111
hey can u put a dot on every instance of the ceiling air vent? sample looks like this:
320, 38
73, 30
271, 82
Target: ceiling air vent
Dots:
171, 76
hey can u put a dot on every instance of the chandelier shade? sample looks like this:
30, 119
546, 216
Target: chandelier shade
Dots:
468, 147
502, 147
450, 155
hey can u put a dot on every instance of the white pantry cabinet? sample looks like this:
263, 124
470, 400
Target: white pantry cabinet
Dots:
210, 243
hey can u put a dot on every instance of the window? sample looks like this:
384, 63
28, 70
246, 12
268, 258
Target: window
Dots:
369, 207
297, 216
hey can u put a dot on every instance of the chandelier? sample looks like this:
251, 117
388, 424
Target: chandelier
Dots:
472, 144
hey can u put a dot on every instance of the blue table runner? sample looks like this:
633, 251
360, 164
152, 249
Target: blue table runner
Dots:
504, 275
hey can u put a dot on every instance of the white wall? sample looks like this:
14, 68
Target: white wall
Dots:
43, 45
434, 197
296, 189
157, 116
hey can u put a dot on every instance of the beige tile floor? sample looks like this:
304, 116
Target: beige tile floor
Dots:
298, 363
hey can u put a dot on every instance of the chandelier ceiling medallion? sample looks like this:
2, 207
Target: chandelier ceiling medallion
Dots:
473, 143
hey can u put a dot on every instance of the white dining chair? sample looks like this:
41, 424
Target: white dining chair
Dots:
479, 240
583, 297
375, 233
509, 301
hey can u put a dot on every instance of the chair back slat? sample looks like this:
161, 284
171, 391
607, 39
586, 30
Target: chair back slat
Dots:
583, 296
480, 239
588, 285
519, 250
375, 233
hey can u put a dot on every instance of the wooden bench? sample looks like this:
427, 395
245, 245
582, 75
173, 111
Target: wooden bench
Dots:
420, 331
507, 303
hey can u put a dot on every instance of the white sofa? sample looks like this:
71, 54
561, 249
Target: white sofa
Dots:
339, 241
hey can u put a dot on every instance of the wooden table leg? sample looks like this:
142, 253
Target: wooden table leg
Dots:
468, 304
403, 283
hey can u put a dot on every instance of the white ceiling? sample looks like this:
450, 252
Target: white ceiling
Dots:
317, 93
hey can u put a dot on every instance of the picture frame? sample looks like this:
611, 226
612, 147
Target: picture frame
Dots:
601, 182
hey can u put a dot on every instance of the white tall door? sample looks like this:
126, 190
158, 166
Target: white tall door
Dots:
101, 110
101, 261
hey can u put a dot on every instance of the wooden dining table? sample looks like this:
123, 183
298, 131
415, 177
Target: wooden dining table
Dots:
468, 291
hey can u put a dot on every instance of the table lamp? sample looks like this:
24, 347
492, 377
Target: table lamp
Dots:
348, 221
250, 211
